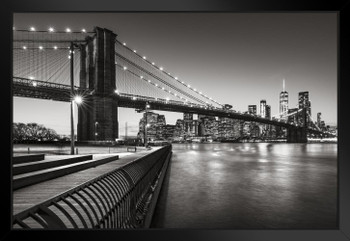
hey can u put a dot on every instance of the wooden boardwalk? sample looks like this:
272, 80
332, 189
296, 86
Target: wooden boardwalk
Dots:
32, 195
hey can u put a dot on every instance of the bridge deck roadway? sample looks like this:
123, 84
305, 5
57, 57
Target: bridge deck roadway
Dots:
32, 195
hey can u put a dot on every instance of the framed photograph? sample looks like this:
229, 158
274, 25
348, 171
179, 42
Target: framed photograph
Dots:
177, 121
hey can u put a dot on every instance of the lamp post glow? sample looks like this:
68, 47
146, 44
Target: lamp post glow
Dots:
78, 99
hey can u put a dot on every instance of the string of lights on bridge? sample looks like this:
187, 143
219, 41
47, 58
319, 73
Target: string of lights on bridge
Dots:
40, 47
160, 68
186, 101
52, 30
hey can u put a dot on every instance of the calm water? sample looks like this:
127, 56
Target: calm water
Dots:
250, 186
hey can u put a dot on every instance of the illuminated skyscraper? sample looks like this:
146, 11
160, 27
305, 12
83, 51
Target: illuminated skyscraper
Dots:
263, 108
304, 102
283, 102
169, 132
155, 126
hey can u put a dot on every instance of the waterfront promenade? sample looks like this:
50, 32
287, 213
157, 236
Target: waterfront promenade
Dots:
27, 197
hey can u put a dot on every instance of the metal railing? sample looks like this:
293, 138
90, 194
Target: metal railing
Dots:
121, 199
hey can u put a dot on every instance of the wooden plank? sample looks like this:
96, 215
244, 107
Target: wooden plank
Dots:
45, 164
29, 196
27, 158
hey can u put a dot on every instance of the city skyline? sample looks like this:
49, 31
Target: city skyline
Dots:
320, 69
134, 129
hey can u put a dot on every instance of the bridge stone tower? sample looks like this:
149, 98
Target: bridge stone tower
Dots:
98, 117
298, 134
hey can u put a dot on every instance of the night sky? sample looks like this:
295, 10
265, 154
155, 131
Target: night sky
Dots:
236, 58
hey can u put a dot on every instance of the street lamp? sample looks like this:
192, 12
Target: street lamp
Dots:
75, 98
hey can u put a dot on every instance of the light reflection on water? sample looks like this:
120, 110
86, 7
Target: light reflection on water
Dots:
250, 185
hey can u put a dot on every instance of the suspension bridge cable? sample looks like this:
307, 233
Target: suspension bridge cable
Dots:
151, 83
128, 71
167, 74
61, 67
143, 61
140, 77
159, 79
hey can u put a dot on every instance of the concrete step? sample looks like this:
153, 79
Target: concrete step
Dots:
27, 158
48, 163
27, 179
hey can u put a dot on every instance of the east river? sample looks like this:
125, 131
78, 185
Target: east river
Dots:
249, 186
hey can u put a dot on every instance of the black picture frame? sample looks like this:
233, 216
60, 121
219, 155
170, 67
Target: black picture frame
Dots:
341, 7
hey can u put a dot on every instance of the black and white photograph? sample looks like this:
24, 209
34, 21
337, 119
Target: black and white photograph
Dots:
175, 120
